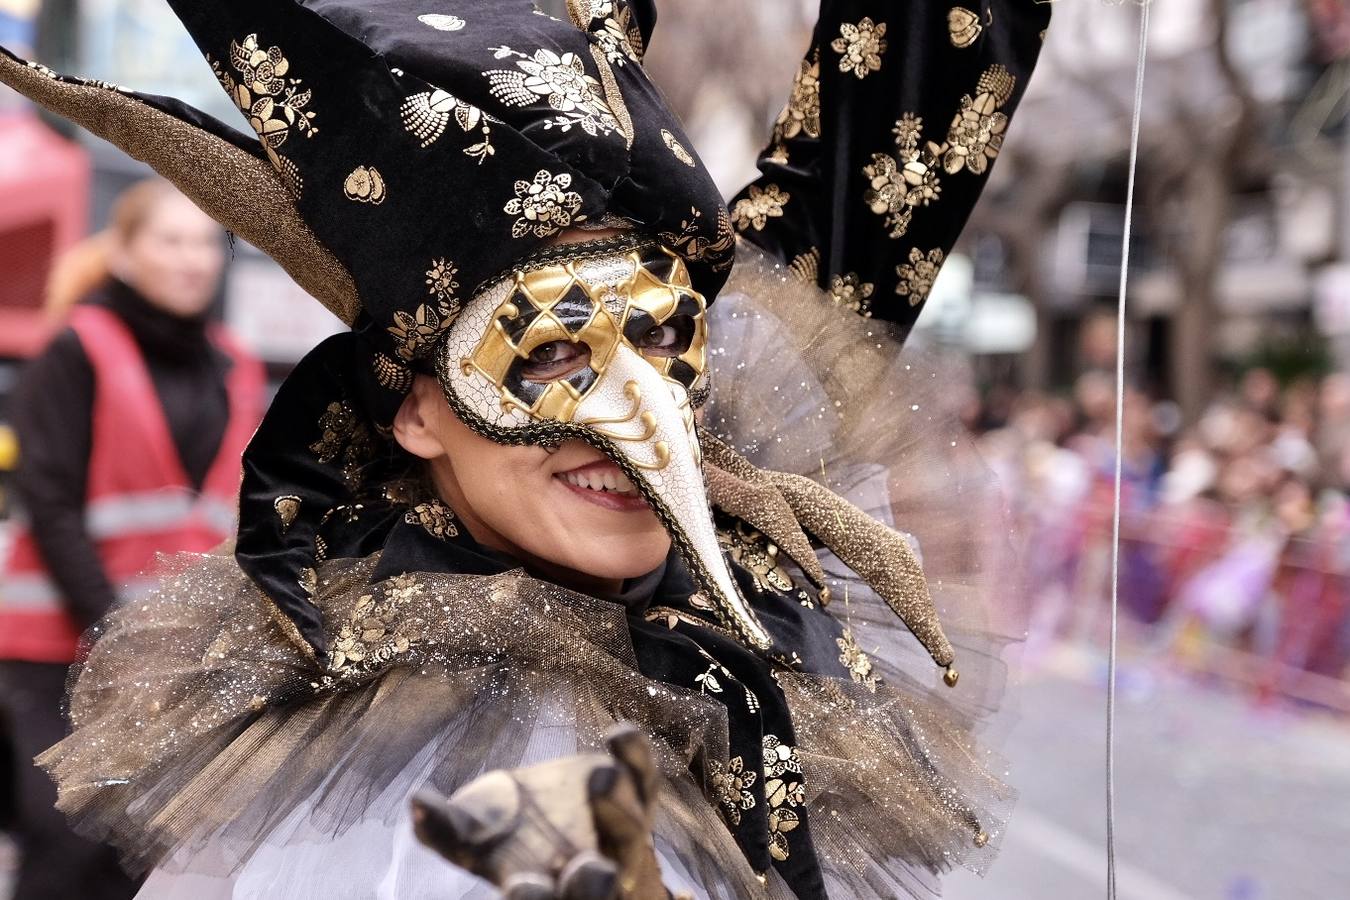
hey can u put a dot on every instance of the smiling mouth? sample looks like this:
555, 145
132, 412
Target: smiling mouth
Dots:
603, 484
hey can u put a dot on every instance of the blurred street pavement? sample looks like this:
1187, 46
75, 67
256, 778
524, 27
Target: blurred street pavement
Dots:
1216, 799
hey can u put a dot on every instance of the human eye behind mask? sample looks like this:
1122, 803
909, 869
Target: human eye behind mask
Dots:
607, 345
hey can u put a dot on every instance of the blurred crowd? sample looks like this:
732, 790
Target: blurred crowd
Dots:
1235, 532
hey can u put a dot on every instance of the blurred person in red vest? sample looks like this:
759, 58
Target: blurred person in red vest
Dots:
131, 425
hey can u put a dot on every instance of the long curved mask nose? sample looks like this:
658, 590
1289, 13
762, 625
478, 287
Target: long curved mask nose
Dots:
631, 335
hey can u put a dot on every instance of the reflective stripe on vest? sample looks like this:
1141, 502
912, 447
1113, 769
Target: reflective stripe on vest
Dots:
38, 593
160, 510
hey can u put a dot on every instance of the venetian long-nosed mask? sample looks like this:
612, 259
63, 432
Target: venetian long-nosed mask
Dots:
608, 347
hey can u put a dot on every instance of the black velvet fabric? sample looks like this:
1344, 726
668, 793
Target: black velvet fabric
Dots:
937, 61
679, 655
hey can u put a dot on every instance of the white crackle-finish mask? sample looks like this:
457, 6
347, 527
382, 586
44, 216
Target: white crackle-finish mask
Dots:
608, 349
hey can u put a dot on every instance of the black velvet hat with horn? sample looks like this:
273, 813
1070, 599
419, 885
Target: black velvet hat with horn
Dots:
402, 156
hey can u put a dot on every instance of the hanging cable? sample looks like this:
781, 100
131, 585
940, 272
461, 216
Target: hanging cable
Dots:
1120, 453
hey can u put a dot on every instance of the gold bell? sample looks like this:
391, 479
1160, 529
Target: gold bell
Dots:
951, 676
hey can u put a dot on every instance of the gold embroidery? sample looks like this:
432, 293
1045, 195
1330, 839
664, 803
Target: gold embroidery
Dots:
345, 435
852, 657
562, 80
435, 516
861, 46
801, 115
365, 185
806, 266
976, 133
851, 293
897, 186
782, 791
545, 206
677, 148
369, 640
917, 276
274, 104
287, 507
963, 26
762, 204
732, 789
758, 555
426, 116
442, 22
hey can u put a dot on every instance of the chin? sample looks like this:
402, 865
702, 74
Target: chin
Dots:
630, 557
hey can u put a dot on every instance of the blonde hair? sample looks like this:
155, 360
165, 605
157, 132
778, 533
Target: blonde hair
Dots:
85, 267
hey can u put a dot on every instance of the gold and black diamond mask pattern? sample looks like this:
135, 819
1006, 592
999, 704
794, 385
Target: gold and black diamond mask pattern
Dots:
635, 331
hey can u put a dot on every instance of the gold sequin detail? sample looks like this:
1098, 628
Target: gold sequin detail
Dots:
917, 276
435, 516
287, 508
801, 114
963, 26
806, 266
850, 292
759, 206
852, 657
758, 555
860, 46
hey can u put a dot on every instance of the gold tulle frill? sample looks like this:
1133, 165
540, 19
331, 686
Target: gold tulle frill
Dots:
198, 721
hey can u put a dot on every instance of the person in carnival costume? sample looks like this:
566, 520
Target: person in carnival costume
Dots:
535, 493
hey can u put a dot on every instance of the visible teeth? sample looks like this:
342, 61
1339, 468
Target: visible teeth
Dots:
611, 480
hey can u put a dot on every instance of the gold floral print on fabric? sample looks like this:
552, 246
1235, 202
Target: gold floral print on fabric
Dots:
276, 106
852, 657
976, 133
544, 206
428, 114
369, 640
287, 508
416, 333
853, 294
435, 516
732, 789
559, 79
898, 185
391, 374
677, 148
917, 276
801, 114
784, 789
442, 22
365, 184
762, 204
963, 26
693, 244
860, 46
758, 555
